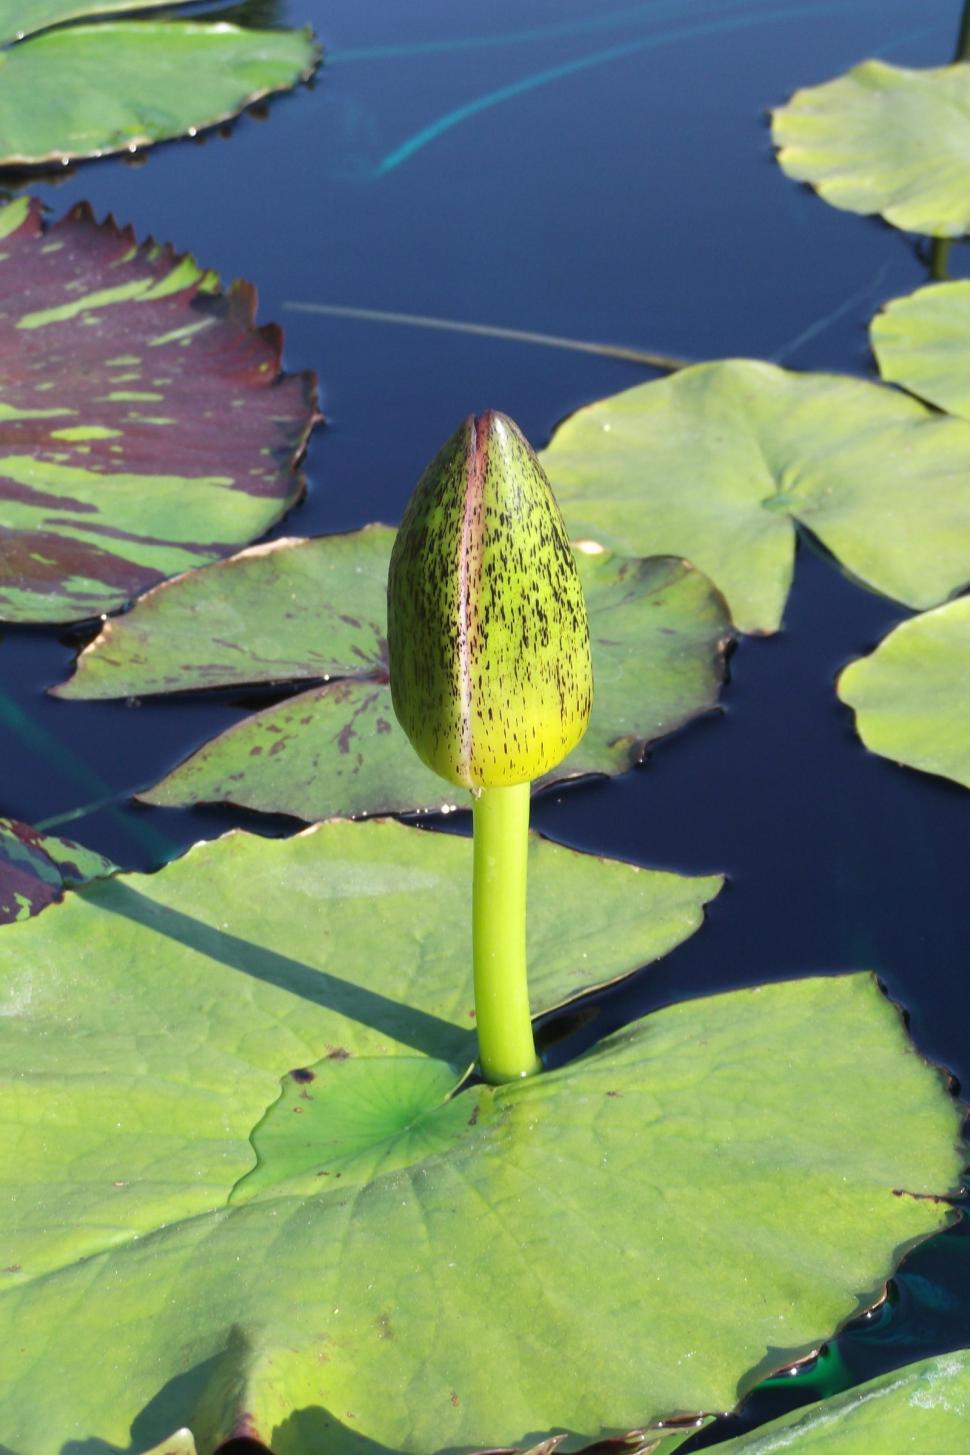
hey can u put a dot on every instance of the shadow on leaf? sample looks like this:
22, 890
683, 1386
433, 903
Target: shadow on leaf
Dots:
406, 1024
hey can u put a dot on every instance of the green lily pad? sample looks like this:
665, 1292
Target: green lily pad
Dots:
720, 461
699, 1197
885, 139
360, 1118
116, 362
89, 90
911, 696
922, 1409
296, 609
349, 939
182, 1443
24, 17
35, 868
923, 342
179, 1443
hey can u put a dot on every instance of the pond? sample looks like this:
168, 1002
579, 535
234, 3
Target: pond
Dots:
594, 173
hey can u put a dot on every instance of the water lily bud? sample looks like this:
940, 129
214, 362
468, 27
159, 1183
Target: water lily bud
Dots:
487, 633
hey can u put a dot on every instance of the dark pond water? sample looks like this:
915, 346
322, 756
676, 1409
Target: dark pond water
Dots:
604, 173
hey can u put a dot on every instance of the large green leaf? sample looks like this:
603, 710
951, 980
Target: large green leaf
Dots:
885, 139
24, 17
922, 1409
704, 1194
316, 609
36, 867
912, 694
719, 462
119, 367
923, 342
198, 987
89, 90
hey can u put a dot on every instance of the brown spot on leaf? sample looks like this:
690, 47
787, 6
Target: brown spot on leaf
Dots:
920, 1196
337, 1053
303, 1073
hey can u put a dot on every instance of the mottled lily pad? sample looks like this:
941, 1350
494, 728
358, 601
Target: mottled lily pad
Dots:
719, 463
316, 609
912, 694
922, 1409
402, 1280
885, 139
35, 869
922, 341
144, 426
88, 90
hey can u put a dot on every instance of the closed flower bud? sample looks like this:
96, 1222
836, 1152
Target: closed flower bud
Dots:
487, 634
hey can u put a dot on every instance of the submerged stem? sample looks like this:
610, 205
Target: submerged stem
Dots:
501, 827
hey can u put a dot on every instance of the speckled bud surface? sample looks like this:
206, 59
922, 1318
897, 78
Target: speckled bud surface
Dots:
487, 634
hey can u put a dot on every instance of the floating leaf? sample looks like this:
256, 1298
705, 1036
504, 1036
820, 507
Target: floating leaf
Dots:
144, 428
923, 342
359, 1117
401, 1278
923, 1408
180, 1443
912, 694
885, 139
316, 609
24, 17
201, 986
36, 867
89, 90
719, 462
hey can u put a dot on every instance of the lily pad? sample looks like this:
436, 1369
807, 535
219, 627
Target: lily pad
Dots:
349, 939
699, 1196
24, 17
922, 1409
912, 694
923, 342
720, 462
88, 90
120, 365
35, 868
316, 609
885, 139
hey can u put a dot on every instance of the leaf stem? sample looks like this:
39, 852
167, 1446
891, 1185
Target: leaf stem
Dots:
649, 358
501, 827
962, 52
940, 258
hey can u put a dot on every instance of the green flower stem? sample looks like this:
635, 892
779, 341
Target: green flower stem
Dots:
501, 826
